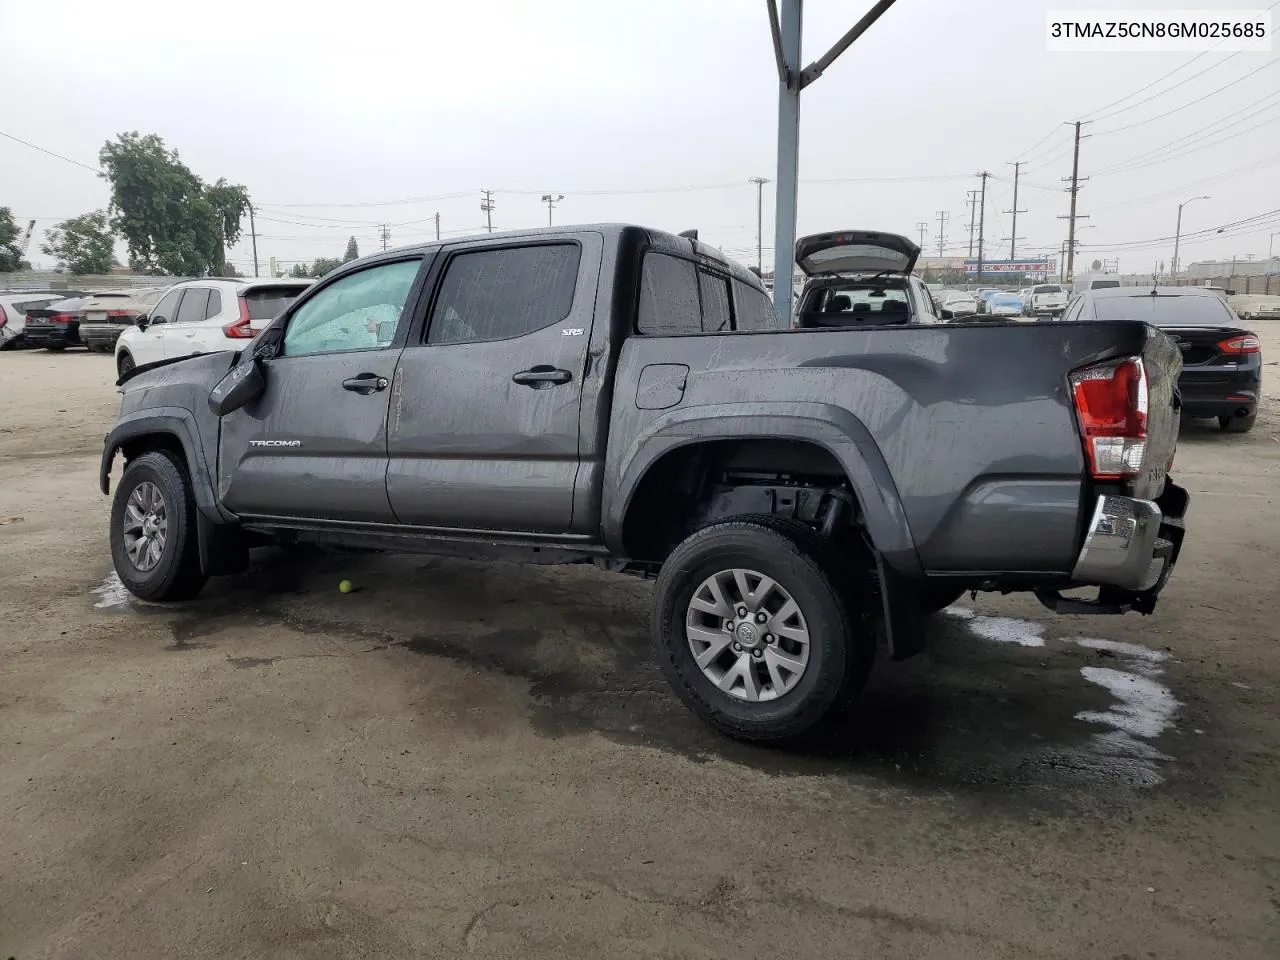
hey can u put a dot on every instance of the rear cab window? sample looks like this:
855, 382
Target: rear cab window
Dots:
679, 297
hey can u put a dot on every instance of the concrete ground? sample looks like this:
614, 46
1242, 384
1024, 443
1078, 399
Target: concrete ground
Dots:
463, 759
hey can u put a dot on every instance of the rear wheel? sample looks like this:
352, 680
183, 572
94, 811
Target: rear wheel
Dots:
56, 347
1237, 424
757, 631
124, 363
153, 530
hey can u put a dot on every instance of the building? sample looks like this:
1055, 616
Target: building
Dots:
1209, 269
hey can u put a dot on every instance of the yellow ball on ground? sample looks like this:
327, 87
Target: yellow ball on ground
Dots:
346, 586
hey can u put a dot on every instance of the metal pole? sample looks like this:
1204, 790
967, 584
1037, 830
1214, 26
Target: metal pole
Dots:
784, 208
759, 182
1071, 223
1177, 237
437, 226
982, 218
253, 234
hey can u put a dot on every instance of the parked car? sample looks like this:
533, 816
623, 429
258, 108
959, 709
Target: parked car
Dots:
204, 316
1082, 284
1004, 305
957, 304
860, 278
1221, 362
1045, 300
619, 395
107, 315
56, 324
1250, 306
14, 308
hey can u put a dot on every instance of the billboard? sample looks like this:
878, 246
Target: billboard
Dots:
1035, 267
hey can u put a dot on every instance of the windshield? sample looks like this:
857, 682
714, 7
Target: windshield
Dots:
1165, 310
1007, 300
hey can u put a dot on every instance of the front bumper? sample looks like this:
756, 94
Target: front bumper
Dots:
1129, 551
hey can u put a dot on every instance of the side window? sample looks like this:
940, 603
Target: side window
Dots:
668, 296
362, 311
500, 294
715, 303
167, 308
193, 305
215, 305
753, 309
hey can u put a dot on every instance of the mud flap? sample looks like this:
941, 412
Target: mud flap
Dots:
224, 549
904, 617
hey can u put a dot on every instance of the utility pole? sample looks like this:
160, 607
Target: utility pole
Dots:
942, 231
982, 217
759, 182
1177, 234
922, 226
1071, 218
1014, 238
486, 207
971, 198
551, 200
384, 234
253, 235
1062, 262
437, 226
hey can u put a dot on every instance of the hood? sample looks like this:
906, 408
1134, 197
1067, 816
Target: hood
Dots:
855, 251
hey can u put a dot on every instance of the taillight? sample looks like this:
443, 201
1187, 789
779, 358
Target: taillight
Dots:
121, 313
241, 329
1111, 405
61, 317
1247, 343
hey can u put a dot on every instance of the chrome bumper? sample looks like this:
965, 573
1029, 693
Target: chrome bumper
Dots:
1123, 547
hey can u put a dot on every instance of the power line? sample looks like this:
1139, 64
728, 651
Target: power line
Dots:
1153, 158
1169, 113
27, 143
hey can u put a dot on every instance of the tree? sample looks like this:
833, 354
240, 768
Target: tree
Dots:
171, 220
299, 270
82, 244
1096, 265
323, 265
10, 256
353, 251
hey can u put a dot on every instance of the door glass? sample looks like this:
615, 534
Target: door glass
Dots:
215, 305
668, 297
715, 302
166, 308
362, 311
753, 308
193, 305
500, 294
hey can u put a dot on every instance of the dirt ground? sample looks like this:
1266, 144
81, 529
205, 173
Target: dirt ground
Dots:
464, 759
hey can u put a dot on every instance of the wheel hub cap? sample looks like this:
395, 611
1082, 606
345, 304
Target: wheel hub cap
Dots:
747, 634
145, 526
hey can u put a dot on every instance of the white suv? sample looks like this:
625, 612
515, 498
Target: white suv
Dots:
205, 316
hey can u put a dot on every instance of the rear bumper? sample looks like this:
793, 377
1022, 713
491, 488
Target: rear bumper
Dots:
54, 335
101, 334
1129, 552
1221, 393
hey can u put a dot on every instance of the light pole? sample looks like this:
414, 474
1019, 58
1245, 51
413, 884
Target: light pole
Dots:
1177, 236
551, 200
759, 182
1271, 244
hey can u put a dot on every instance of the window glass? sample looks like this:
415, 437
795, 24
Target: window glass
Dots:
752, 308
715, 303
166, 308
361, 311
215, 305
1164, 310
668, 296
499, 294
193, 306
267, 303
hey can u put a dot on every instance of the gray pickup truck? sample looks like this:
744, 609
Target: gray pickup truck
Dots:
622, 396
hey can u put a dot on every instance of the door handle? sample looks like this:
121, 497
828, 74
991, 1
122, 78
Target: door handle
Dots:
365, 383
541, 377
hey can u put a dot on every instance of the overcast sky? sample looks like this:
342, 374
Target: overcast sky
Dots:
327, 112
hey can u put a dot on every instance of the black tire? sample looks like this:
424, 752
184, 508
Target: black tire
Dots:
124, 363
841, 636
176, 575
1237, 424
56, 347
938, 596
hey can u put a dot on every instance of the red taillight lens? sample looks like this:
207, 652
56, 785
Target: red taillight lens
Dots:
241, 329
61, 317
1242, 344
121, 313
1111, 405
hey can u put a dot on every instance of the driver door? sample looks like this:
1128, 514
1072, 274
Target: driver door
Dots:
148, 346
314, 444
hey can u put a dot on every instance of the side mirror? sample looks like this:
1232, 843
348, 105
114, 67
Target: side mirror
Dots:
142, 323
242, 384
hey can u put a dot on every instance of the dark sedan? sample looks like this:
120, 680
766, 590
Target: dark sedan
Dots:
56, 326
1221, 362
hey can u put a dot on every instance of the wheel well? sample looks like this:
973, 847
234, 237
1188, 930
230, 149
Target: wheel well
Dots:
692, 486
135, 447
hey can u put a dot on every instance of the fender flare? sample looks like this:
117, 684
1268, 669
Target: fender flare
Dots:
178, 423
834, 429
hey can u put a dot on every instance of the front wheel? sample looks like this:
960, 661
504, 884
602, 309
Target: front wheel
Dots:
124, 363
757, 632
153, 530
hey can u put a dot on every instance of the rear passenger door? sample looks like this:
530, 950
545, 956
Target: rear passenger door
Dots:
483, 426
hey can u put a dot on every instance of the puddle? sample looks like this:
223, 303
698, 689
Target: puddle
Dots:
111, 594
1143, 707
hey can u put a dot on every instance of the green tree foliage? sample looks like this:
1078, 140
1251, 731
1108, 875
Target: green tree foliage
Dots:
172, 221
299, 270
10, 258
323, 265
1096, 265
353, 251
82, 244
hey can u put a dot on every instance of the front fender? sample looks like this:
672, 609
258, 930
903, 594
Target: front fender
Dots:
180, 424
837, 430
